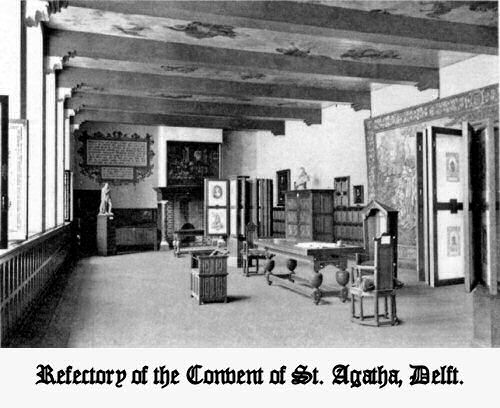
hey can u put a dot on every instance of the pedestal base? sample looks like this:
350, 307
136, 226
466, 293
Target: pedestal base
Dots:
106, 235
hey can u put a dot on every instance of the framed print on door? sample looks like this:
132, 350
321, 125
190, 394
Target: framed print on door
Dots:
216, 207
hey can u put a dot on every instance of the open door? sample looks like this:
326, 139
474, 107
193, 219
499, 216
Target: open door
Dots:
444, 220
483, 190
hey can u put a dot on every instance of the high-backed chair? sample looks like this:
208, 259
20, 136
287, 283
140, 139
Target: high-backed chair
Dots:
250, 254
375, 283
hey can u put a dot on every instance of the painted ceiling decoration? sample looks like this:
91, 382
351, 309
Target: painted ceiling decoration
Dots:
181, 69
294, 51
247, 75
133, 30
467, 12
200, 30
370, 53
244, 64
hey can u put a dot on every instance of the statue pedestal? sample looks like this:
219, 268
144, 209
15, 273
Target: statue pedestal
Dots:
106, 235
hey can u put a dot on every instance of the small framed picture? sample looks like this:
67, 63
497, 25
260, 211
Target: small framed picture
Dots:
452, 167
217, 193
453, 241
359, 196
217, 221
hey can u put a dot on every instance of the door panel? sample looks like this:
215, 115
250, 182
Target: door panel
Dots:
445, 215
483, 210
470, 275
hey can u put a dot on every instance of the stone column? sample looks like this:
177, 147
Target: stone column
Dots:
163, 217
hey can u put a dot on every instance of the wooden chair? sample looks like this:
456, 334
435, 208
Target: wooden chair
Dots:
376, 282
250, 254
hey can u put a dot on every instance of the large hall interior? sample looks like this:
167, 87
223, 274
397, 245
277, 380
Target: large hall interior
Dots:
249, 174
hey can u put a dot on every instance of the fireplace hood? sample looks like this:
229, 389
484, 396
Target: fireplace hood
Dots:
179, 192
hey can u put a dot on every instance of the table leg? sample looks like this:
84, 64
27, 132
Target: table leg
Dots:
316, 282
342, 278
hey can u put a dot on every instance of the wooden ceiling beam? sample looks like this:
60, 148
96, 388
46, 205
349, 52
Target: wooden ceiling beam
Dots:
162, 84
111, 47
317, 19
81, 100
156, 119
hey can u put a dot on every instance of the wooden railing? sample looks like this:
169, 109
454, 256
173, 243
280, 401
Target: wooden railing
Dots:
26, 271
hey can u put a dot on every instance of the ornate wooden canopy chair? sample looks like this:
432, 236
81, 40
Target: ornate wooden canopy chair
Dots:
376, 282
378, 219
250, 254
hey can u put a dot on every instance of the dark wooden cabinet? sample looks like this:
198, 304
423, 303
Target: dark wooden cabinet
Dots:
309, 215
261, 206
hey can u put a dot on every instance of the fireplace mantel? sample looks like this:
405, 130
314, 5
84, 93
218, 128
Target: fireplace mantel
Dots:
179, 192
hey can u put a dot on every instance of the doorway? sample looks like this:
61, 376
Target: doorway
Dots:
456, 220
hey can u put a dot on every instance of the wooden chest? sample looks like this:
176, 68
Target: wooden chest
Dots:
209, 280
309, 215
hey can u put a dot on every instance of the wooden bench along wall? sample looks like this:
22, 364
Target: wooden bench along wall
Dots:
25, 272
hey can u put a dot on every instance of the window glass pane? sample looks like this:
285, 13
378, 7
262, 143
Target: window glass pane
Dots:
18, 180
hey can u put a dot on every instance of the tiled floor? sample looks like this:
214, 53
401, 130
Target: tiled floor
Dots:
143, 300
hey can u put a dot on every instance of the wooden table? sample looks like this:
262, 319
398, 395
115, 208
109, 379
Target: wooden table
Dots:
318, 256
180, 235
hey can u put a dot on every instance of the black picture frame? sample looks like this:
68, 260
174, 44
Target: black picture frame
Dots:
358, 194
282, 186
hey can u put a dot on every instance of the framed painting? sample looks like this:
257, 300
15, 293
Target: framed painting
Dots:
358, 194
217, 207
283, 185
217, 193
189, 163
217, 221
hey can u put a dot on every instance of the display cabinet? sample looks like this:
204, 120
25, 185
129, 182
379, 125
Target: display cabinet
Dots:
309, 215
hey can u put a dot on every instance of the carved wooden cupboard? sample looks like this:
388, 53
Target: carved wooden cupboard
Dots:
309, 215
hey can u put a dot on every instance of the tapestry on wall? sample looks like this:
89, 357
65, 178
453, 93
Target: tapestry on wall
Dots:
189, 163
391, 151
116, 158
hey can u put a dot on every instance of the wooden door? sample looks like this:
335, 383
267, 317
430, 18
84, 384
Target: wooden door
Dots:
85, 210
483, 189
445, 223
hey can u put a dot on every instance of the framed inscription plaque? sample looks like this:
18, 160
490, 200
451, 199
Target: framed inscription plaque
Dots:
116, 158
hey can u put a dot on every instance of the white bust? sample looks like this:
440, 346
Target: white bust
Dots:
302, 179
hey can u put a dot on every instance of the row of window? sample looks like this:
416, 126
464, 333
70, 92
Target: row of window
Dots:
39, 177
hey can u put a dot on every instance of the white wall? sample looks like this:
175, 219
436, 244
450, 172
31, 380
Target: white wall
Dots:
333, 149
395, 97
476, 72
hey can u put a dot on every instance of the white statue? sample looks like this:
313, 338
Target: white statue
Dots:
106, 205
302, 179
